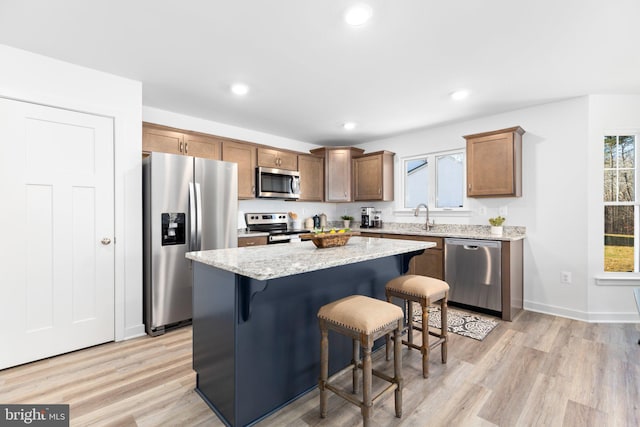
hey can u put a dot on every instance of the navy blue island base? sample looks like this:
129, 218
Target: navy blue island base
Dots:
256, 343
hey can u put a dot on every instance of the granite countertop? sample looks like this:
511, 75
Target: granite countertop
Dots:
482, 232
273, 261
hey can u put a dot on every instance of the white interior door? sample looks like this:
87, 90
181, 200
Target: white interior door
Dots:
56, 231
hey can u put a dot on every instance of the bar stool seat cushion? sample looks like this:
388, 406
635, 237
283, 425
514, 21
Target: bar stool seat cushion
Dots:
419, 286
361, 314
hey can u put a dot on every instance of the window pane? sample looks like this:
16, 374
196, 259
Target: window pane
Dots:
627, 148
450, 180
609, 151
625, 186
416, 182
618, 238
610, 186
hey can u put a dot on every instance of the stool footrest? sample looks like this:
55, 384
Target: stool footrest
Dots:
354, 399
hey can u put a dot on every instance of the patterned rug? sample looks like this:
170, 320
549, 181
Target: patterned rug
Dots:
459, 322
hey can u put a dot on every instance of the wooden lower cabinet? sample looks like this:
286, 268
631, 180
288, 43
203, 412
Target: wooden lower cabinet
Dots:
252, 241
431, 262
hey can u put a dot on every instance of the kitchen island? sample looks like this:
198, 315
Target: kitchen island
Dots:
256, 341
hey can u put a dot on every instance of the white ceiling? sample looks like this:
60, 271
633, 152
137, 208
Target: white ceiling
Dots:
309, 72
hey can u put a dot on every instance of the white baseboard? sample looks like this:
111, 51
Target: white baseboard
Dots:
601, 317
134, 332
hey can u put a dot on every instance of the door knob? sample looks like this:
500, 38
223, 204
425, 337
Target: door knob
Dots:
105, 241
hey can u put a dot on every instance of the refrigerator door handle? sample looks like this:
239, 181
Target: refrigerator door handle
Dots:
192, 217
198, 217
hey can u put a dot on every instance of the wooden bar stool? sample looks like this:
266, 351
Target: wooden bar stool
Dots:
425, 291
363, 319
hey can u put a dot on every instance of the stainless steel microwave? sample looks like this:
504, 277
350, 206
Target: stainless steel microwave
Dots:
277, 183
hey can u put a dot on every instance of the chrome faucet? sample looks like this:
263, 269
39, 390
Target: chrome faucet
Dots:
427, 225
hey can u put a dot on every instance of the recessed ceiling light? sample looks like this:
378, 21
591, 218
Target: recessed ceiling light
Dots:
240, 89
459, 94
349, 125
358, 14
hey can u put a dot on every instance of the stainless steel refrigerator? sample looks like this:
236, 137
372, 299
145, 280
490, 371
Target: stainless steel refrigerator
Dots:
189, 204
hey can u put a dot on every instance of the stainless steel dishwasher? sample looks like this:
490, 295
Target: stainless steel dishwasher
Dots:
473, 271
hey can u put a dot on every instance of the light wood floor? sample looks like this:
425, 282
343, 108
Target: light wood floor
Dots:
539, 370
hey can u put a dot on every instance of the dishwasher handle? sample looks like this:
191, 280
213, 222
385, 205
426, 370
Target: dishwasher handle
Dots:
472, 244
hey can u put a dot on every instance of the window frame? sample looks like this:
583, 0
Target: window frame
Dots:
635, 203
432, 188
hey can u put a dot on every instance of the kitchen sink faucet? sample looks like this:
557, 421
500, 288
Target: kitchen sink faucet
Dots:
427, 225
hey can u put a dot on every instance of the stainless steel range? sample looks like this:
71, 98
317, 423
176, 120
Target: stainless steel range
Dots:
276, 224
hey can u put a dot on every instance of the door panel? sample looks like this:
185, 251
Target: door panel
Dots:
57, 290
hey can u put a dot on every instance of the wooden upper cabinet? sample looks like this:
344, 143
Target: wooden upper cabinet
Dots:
337, 172
202, 146
245, 156
494, 163
373, 176
270, 158
162, 140
311, 178
173, 141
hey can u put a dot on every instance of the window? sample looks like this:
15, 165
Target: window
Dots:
441, 175
620, 204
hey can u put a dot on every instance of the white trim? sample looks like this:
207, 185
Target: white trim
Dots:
431, 159
617, 280
435, 212
556, 311
590, 317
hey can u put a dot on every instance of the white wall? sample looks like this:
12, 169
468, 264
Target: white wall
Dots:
554, 203
608, 114
38, 79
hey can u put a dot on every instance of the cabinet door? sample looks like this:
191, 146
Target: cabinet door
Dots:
201, 146
288, 161
245, 156
494, 163
431, 262
367, 175
162, 140
338, 179
311, 178
268, 158
252, 241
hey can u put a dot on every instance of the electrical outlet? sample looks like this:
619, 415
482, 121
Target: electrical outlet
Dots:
565, 277
502, 211
482, 210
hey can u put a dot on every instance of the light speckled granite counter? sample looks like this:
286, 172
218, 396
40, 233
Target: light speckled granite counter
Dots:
448, 230
274, 261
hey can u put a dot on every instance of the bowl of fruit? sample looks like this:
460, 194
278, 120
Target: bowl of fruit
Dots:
329, 239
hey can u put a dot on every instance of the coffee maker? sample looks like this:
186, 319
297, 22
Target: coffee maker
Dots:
366, 220
376, 222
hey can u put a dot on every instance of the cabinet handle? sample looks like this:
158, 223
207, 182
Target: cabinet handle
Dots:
181, 147
186, 147
469, 186
379, 190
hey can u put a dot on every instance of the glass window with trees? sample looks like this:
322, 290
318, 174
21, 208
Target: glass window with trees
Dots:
620, 205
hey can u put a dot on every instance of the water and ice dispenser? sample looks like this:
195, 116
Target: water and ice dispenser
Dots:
174, 229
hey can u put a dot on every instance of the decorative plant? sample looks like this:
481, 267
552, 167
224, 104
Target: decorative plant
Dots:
497, 221
346, 218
